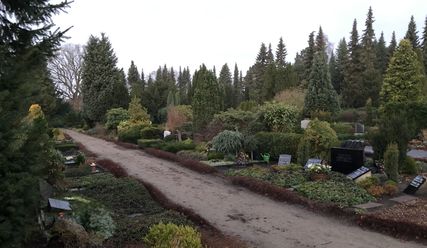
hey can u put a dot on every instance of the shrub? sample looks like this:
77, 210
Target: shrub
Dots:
130, 132
112, 167
154, 143
280, 117
391, 188
213, 155
376, 190
293, 96
349, 115
342, 128
409, 166
171, 235
321, 115
278, 143
228, 142
176, 146
101, 223
317, 141
391, 162
69, 234
151, 133
114, 116
369, 182
248, 105
194, 155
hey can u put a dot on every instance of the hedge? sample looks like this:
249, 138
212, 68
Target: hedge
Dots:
278, 143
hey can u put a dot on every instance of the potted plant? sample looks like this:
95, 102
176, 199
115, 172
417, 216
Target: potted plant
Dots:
319, 172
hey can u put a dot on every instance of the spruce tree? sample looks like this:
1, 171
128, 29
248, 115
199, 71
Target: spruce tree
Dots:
134, 81
206, 98
333, 71
424, 46
309, 55
120, 92
281, 54
404, 78
382, 54
100, 79
270, 56
342, 60
226, 83
321, 95
320, 45
27, 41
412, 33
392, 46
237, 87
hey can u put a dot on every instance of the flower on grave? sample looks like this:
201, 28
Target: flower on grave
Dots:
319, 168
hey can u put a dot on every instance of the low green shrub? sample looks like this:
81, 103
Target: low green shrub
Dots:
171, 235
176, 146
254, 171
280, 117
154, 143
114, 116
369, 182
152, 133
342, 128
194, 155
81, 170
130, 132
66, 146
410, 166
278, 143
391, 162
228, 142
213, 155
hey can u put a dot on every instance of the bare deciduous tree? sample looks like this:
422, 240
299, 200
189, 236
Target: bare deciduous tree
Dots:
66, 72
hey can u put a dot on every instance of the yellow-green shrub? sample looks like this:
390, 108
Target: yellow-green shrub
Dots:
172, 236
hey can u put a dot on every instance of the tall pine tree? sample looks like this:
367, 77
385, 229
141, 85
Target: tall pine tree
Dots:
392, 46
342, 62
134, 81
226, 83
237, 87
412, 33
281, 54
424, 46
382, 54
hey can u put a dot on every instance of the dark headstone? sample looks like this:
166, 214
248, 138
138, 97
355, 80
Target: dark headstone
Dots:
284, 159
359, 128
358, 173
415, 184
353, 144
346, 160
312, 161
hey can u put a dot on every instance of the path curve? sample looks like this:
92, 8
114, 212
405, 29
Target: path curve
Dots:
236, 211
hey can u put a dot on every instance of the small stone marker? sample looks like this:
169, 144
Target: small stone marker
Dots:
70, 160
284, 159
360, 174
304, 123
312, 161
415, 184
359, 128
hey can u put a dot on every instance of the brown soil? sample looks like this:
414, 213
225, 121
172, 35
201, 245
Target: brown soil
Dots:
236, 211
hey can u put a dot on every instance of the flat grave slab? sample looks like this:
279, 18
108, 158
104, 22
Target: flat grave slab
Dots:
404, 199
312, 161
360, 174
369, 205
415, 185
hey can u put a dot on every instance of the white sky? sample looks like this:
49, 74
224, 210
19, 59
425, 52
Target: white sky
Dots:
192, 32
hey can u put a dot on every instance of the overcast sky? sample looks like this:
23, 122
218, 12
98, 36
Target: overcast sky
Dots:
192, 32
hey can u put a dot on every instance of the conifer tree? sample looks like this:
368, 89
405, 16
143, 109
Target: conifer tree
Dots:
143, 83
403, 79
333, 71
342, 61
412, 33
226, 83
309, 55
100, 79
134, 81
392, 46
320, 96
237, 87
206, 97
320, 45
270, 56
281, 54
382, 56
424, 46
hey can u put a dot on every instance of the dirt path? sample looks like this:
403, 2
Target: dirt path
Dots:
236, 211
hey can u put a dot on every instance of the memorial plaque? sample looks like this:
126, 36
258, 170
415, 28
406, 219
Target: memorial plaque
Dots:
312, 161
70, 160
359, 173
415, 184
346, 160
284, 159
359, 128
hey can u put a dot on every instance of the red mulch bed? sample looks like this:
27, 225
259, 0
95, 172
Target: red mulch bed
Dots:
112, 167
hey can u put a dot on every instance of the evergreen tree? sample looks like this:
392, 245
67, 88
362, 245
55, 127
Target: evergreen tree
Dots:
270, 56
333, 70
237, 87
342, 61
424, 46
206, 98
142, 80
403, 79
320, 45
183, 84
254, 82
120, 91
371, 76
352, 91
412, 33
382, 55
320, 96
100, 79
309, 55
281, 54
226, 83
134, 81
392, 46
27, 41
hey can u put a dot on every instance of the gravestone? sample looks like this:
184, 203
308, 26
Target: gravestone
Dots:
70, 160
346, 160
359, 128
284, 159
312, 161
304, 123
360, 174
415, 185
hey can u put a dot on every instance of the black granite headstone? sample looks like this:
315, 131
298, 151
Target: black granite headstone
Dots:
415, 184
312, 161
284, 159
346, 160
358, 173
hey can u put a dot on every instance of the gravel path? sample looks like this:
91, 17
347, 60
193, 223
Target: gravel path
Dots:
236, 211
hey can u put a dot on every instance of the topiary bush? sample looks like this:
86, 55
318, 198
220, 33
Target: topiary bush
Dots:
171, 235
317, 141
130, 132
278, 143
154, 143
280, 117
213, 155
176, 146
228, 142
151, 133
114, 116
391, 162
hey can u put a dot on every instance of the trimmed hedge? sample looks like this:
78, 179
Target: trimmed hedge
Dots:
154, 143
152, 133
278, 143
176, 146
